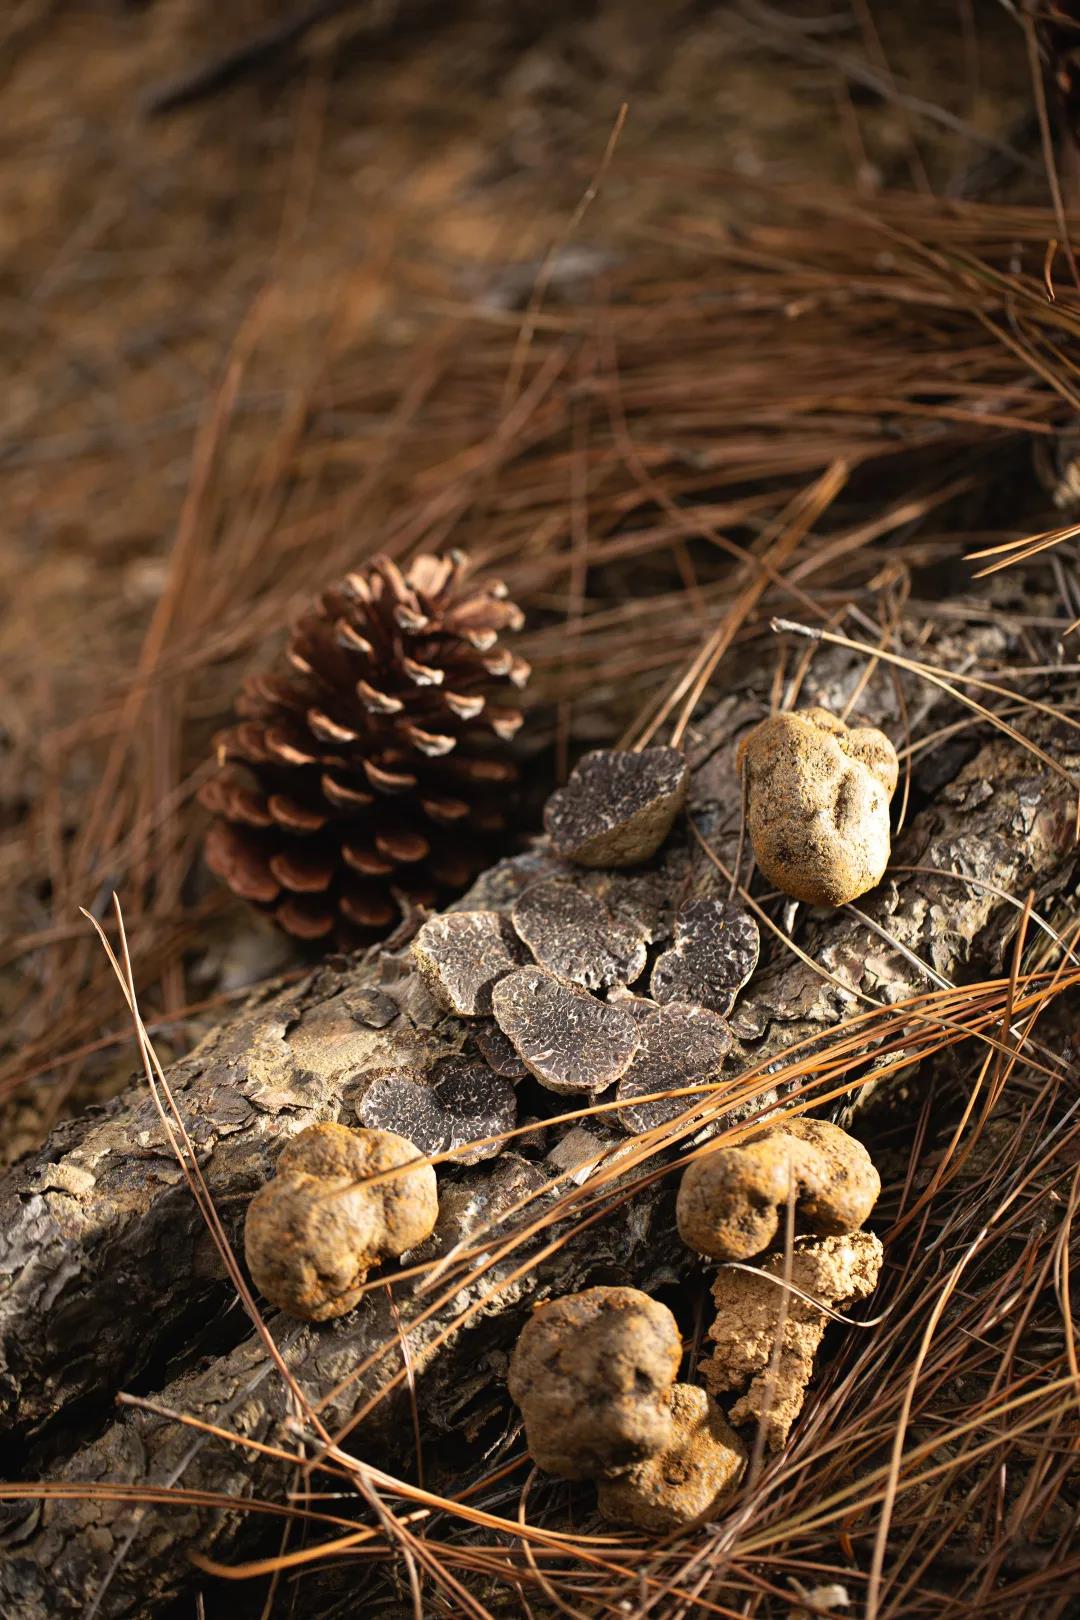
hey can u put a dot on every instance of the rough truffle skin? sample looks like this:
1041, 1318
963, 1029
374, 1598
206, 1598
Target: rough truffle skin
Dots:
369, 769
592, 1374
817, 796
618, 806
838, 1271
692, 1478
312, 1234
731, 1201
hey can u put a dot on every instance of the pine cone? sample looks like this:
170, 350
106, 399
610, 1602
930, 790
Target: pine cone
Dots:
368, 772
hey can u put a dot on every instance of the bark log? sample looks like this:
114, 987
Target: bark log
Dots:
109, 1279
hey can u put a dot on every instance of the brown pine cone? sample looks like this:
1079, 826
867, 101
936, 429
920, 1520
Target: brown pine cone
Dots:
369, 772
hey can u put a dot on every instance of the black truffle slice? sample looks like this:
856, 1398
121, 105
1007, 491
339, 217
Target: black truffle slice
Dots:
575, 935
681, 1045
462, 954
570, 1041
395, 1103
618, 807
714, 952
498, 1052
477, 1103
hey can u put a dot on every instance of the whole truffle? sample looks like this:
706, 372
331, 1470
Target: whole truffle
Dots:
618, 806
316, 1229
691, 1478
731, 1200
592, 1374
836, 1271
817, 796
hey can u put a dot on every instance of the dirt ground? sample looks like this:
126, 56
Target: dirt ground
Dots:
396, 165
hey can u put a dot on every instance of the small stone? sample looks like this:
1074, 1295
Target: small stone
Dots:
570, 1041
498, 1052
395, 1103
618, 806
714, 952
575, 935
692, 1478
817, 804
476, 1103
681, 1045
462, 954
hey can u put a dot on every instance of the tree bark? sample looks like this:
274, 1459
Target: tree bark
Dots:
110, 1281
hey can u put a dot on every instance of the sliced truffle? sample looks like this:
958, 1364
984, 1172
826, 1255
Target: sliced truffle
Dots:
498, 1052
592, 1374
681, 1045
817, 796
393, 1102
692, 1478
617, 807
714, 952
835, 1271
571, 932
476, 1103
462, 955
570, 1041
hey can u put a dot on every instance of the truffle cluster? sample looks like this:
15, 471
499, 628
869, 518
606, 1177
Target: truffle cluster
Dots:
730, 1206
595, 1373
555, 974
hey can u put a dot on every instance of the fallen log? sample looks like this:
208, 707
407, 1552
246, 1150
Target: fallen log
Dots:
111, 1282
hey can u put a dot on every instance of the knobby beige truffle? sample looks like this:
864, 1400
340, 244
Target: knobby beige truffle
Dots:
731, 1201
592, 1374
317, 1228
817, 797
837, 1271
693, 1477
